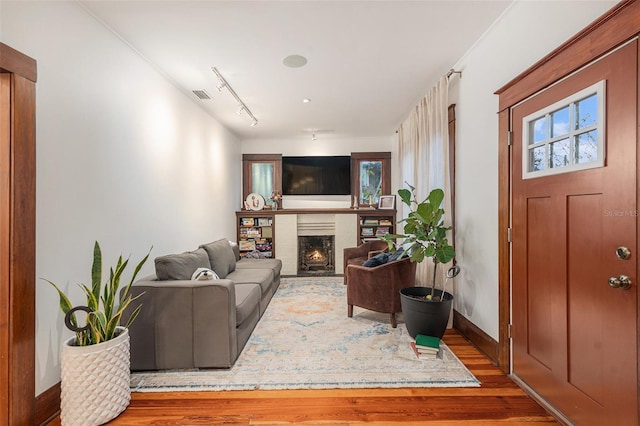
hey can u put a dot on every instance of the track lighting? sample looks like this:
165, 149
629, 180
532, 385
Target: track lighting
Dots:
243, 107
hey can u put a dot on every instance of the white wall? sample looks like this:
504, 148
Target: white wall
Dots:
324, 145
123, 157
525, 33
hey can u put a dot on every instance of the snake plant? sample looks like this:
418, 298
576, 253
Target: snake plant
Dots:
103, 314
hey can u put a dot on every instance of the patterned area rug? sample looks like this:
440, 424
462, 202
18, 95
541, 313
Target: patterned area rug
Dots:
306, 341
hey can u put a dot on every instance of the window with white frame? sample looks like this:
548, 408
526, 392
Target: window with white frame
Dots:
566, 136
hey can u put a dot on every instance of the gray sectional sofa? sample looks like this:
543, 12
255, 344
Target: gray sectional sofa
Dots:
187, 323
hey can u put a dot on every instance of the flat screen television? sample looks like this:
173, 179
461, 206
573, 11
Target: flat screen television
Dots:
326, 175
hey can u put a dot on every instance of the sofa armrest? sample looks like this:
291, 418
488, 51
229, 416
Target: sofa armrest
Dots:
183, 324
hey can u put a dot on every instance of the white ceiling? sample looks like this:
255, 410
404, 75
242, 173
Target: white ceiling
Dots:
369, 62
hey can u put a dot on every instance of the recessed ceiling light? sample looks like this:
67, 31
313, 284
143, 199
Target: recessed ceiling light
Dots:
294, 61
306, 100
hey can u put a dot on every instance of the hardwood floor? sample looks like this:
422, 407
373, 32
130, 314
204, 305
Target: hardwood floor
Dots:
498, 400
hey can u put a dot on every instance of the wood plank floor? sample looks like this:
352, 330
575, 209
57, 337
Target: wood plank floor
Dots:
497, 401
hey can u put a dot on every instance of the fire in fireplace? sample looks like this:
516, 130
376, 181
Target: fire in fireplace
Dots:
316, 255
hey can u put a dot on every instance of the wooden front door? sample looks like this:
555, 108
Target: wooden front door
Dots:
574, 335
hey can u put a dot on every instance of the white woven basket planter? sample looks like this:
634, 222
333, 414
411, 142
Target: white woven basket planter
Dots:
95, 381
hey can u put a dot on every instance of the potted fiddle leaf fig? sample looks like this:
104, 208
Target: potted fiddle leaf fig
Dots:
425, 310
96, 361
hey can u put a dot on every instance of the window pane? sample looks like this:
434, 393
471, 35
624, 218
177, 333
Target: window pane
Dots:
262, 179
559, 153
370, 181
538, 130
560, 122
587, 112
586, 149
536, 159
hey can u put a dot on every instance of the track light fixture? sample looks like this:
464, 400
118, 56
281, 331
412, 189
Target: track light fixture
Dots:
243, 107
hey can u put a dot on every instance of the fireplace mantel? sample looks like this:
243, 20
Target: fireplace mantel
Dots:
288, 224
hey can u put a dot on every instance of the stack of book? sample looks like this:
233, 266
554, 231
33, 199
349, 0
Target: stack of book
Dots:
426, 346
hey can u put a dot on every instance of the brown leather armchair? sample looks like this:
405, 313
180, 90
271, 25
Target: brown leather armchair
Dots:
358, 255
378, 288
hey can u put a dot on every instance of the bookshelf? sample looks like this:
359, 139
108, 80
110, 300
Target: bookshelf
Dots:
255, 232
375, 223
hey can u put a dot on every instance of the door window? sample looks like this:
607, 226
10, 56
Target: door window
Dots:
565, 136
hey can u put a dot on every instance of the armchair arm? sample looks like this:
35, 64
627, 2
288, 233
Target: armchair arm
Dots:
378, 288
183, 324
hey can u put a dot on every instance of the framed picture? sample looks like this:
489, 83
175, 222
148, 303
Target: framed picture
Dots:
387, 202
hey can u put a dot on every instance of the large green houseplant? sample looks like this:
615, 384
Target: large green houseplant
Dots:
95, 363
425, 310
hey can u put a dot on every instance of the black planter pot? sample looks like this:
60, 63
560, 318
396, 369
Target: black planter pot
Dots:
425, 317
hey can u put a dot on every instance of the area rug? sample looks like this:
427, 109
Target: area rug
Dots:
306, 341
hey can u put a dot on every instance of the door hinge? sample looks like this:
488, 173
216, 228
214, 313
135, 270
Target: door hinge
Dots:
508, 235
509, 138
509, 331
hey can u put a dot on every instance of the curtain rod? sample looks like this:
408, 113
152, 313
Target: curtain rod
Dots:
452, 71
243, 107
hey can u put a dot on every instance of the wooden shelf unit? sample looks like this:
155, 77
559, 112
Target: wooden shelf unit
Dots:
373, 223
256, 231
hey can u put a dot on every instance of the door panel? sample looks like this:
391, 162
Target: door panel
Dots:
574, 336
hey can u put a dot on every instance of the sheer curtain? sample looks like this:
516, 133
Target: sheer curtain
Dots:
424, 158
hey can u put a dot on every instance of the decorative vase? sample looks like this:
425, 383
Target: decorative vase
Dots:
95, 381
423, 316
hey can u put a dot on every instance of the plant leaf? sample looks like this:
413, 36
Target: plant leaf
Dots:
96, 271
405, 195
445, 254
435, 197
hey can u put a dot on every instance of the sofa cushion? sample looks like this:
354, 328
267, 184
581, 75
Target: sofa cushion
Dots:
181, 266
274, 264
262, 277
236, 249
247, 300
221, 257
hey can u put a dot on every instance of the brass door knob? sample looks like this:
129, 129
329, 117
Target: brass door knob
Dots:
622, 282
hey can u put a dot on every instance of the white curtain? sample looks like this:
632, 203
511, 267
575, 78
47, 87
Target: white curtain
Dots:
424, 159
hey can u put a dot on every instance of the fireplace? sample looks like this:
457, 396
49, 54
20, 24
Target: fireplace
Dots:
316, 255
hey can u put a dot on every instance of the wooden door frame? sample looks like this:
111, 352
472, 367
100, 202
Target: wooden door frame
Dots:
17, 283
617, 26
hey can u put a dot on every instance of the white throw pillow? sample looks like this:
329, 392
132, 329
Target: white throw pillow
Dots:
203, 274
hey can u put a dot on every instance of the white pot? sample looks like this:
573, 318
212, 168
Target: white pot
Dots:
95, 381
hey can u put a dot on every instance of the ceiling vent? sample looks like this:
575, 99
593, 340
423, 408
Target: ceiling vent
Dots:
201, 94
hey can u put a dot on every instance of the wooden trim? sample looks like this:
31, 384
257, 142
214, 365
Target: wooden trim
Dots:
356, 158
48, 405
12, 61
5, 236
471, 332
18, 216
541, 401
261, 157
616, 26
451, 117
248, 160
504, 214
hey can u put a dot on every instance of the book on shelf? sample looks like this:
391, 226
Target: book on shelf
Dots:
385, 222
267, 232
382, 230
366, 232
247, 245
370, 222
264, 221
254, 233
246, 221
